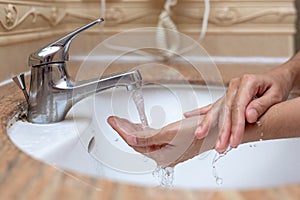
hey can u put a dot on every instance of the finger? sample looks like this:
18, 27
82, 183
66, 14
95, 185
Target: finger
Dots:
155, 140
209, 119
125, 128
225, 117
248, 88
238, 125
134, 135
199, 111
177, 132
128, 131
224, 134
146, 150
124, 125
225, 130
259, 106
160, 137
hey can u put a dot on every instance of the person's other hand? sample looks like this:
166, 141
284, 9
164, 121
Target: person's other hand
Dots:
246, 99
173, 144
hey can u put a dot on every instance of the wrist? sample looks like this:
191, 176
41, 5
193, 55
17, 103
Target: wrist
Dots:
292, 70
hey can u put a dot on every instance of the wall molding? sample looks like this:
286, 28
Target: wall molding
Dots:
28, 20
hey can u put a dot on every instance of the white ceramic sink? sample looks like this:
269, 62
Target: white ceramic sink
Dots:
66, 144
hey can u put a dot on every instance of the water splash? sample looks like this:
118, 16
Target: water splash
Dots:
138, 99
165, 176
216, 158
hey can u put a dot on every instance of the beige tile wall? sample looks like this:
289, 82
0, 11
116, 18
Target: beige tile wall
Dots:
236, 28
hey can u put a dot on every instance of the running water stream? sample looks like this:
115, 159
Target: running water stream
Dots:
217, 157
138, 99
165, 175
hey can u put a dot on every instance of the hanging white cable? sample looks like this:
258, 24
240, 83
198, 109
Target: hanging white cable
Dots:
102, 14
203, 29
103, 8
205, 20
165, 24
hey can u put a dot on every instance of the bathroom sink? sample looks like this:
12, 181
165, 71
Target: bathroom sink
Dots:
85, 143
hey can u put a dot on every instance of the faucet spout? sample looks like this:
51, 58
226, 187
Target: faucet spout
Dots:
50, 99
131, 80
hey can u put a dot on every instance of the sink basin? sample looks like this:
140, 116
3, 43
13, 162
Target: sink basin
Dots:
85, 143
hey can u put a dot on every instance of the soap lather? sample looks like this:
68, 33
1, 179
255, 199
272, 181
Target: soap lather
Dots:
52, 93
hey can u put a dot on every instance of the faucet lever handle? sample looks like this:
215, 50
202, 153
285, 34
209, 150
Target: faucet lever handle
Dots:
66, 40
20, 81
58, 51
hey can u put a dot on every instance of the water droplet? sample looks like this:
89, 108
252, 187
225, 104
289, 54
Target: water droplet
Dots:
261, 136
258, 123
252, 145
117, 139
219, 181
145, 159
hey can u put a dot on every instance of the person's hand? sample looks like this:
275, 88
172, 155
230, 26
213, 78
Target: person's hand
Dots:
173, 144
246, 99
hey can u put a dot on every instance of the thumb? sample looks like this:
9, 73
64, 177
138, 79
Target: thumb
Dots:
258, 106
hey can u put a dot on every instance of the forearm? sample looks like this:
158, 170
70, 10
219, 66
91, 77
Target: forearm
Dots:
293, 69
280, 121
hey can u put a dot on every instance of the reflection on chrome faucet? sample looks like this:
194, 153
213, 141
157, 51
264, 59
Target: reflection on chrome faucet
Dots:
52, 93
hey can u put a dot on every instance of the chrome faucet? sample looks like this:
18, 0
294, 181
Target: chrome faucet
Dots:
52, 93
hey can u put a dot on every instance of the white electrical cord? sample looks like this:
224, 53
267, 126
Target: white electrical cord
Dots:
103, 8
205, 20
203, 30
102, 14
165, 22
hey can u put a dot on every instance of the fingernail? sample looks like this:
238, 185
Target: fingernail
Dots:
252, 115
198, 132
232, 142
111, 120
218, 144
253, 111
186, 114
